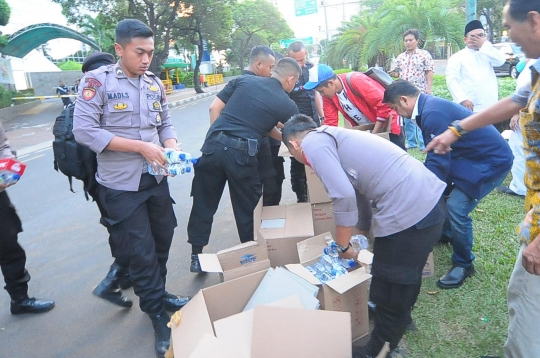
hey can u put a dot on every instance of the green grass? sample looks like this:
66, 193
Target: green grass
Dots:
470, 321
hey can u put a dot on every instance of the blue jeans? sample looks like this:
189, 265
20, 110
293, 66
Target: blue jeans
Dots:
414, 135
458, 225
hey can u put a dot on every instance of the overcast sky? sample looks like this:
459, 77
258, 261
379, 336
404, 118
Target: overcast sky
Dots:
30, 12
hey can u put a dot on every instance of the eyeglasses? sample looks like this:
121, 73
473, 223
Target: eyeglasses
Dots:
473, 36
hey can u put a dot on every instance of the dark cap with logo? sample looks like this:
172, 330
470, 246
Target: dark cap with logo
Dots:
96, 60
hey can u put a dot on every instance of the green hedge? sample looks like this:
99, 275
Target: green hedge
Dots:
6, 96
343, 70
233, 72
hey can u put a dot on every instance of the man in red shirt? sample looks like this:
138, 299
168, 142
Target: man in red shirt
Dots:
360, 101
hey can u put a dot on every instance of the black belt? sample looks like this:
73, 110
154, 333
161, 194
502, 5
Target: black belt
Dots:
237, 143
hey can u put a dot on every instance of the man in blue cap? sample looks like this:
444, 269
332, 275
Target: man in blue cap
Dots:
358, 97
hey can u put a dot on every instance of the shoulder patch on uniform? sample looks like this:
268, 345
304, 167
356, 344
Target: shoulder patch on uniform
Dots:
92, 82
88, 93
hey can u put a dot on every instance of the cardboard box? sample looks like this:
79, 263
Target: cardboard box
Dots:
429, 269
237, 261
323, 218
279, 330
348, 293
282, 227
369, 127
316, 192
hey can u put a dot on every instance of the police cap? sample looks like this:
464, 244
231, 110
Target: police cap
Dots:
96, 60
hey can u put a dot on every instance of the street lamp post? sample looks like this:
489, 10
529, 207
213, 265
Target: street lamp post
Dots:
471, 10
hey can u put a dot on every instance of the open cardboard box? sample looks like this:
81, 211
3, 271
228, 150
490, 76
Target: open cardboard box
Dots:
242, 259
280, 330
369, 127
348, 293
282, 227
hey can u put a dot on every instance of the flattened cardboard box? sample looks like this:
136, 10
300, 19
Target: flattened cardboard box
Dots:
348, 293
282, 227
273, 331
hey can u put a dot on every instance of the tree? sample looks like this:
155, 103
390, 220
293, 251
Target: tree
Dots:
5, 13
101, 30
171, 20
437, 21
492, 12
252, 19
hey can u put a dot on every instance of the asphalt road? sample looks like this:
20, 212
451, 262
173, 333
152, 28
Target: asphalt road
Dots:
68, 254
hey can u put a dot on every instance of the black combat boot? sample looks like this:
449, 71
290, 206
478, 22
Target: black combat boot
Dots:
162, 333
109, 288
300, 189
25, 304
195, 264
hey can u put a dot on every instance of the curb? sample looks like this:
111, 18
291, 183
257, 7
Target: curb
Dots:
191, 99
44, 145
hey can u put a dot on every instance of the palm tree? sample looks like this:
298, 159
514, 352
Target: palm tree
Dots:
100, 30
437, 20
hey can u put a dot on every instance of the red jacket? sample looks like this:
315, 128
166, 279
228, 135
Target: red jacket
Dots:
370, 104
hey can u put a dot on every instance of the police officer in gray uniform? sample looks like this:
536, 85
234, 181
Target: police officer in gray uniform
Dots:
122, 114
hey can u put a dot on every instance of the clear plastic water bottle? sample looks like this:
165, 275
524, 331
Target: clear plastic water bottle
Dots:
359, 242
170, 169
177, 156
323, 275
346, 263
9, 178
331, 250
334, 268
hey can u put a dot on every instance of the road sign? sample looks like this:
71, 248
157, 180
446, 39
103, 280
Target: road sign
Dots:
305, 40
305, 7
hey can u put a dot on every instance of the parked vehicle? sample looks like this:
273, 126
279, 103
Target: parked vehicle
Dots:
513, 55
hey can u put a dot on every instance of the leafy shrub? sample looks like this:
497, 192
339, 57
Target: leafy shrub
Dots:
70, 66
6, 96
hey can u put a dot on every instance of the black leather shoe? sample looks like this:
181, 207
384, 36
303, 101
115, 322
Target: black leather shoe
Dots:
125, 282
173, 303
162, 333
195, 264
31, 305
455, 277
109, 289
506, 190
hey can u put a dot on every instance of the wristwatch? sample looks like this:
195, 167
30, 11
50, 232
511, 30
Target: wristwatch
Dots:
341, 248
457, 125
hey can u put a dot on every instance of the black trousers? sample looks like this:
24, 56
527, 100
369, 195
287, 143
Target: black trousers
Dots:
273, 197
12, 255
142, 224
298, 178
221, 164
399, 140
398, 262
122, 258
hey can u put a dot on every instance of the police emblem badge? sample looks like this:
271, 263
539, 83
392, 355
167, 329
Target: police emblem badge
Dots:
88, 93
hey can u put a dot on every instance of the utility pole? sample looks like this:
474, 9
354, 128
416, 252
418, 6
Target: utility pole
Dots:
471, 10
323, 4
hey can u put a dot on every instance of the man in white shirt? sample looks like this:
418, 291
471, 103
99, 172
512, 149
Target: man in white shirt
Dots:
469, 74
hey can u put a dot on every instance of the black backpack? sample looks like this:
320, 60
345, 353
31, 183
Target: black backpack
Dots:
71, 158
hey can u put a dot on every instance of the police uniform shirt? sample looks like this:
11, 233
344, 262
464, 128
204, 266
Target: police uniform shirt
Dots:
110, 104
253, 107
304, 99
